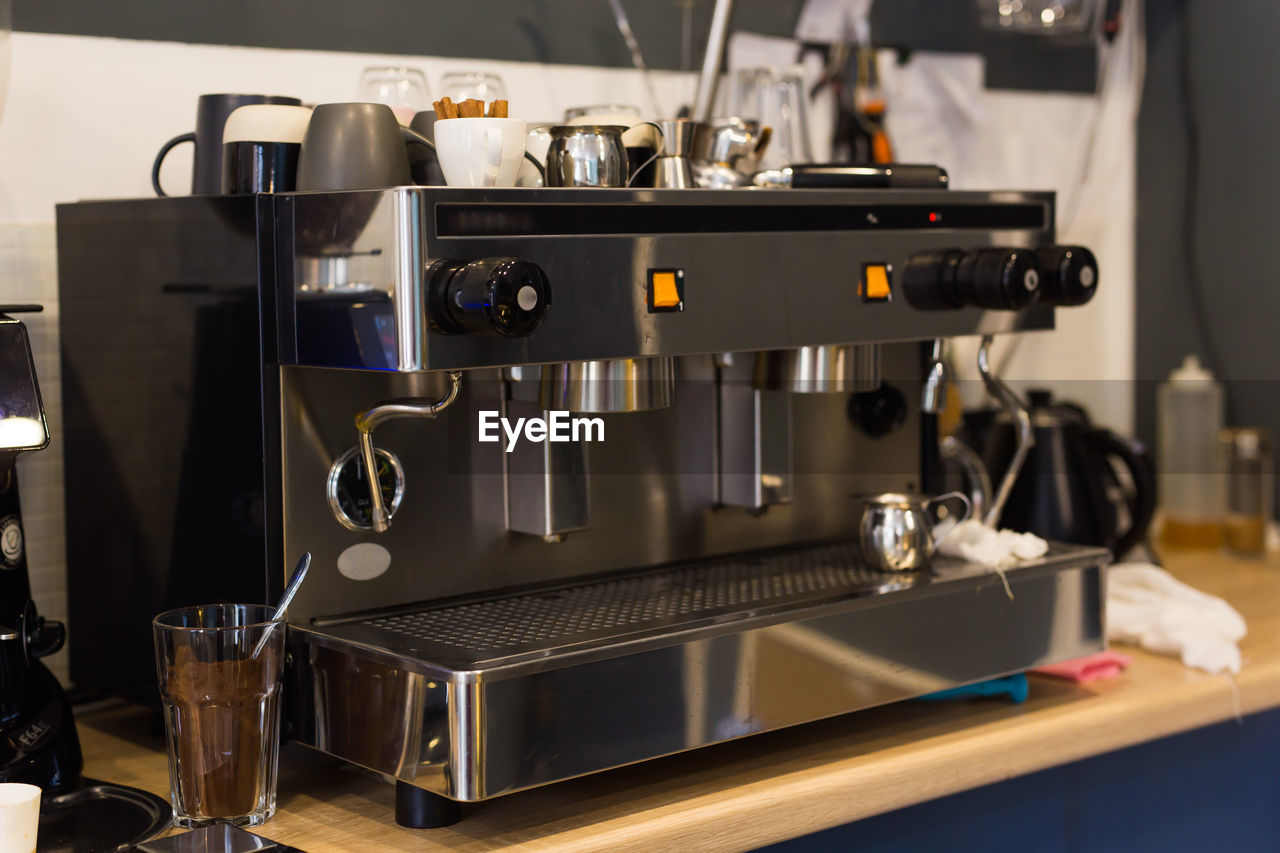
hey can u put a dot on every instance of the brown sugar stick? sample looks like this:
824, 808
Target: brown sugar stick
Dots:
440, 111
470, 108
450, 108
498, 109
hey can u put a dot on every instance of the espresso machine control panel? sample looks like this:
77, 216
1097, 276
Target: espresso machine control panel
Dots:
434, 278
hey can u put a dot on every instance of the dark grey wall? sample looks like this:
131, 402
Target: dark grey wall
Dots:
576, 32
1234, 74
580, 32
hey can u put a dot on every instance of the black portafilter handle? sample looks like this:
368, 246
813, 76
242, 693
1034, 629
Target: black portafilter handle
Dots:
1068, 275
1000, 279
505, 297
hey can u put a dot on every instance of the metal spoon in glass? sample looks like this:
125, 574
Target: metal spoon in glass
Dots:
299, 572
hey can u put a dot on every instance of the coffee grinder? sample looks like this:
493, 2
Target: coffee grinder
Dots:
38, 741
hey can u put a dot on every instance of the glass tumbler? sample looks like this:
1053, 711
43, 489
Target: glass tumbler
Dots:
403, 89
219, 668
1250, 468
458, 86
776, 99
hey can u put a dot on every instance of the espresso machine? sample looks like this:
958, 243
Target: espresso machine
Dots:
38, 740
581, 470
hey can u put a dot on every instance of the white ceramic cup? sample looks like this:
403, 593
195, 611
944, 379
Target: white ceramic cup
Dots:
266, 123
480, 152
19, 817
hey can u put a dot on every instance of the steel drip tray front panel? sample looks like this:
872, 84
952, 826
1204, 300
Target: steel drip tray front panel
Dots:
480, 698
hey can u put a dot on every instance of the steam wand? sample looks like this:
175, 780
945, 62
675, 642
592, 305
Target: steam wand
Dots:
366, 422
1018, 412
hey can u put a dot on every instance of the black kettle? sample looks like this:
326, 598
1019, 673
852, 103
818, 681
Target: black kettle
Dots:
1071, 488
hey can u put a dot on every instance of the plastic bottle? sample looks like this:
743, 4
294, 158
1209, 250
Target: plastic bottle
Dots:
1189, 411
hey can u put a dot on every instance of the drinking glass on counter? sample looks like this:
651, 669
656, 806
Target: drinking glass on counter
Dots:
458, 86
219, 668
403, 89
1249, 466
777, 100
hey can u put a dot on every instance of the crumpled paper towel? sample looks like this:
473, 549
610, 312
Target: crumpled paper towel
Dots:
1151, 608
996, 549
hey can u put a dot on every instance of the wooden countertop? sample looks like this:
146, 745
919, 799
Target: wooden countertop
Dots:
780, 785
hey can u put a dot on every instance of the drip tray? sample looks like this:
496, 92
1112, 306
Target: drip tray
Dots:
479, 697
614, 615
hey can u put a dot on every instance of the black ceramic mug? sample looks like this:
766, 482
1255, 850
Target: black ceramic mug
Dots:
357, 146
424, 165
211, 115
260, 146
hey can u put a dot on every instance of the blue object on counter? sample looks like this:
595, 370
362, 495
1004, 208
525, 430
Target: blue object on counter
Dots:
1013, 686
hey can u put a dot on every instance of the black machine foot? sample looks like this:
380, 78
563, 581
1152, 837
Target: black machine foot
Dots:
422, 809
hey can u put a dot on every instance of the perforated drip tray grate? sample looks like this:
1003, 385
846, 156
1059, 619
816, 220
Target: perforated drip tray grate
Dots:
544, 623
521, 623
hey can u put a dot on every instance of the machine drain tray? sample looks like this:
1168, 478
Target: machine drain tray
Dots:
478, 697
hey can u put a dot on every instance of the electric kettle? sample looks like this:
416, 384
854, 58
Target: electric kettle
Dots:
1081, 484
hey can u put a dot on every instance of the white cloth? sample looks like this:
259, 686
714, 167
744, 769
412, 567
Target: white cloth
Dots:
1151, 608
996, 549
832, 21
936, 110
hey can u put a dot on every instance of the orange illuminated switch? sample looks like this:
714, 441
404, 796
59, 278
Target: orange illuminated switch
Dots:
876, 285
666, 290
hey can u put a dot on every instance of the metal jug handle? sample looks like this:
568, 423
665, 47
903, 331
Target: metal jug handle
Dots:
960, 496
953, 450
662, 144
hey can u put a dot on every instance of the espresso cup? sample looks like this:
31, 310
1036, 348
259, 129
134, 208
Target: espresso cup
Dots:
480, 152
211, 115
260, 146
356, 146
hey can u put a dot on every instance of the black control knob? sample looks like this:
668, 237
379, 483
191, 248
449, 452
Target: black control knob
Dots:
986, 278
1068, 275
507, 297
929, 280
998, 278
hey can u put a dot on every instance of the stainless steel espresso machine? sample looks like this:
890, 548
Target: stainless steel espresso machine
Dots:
580, 469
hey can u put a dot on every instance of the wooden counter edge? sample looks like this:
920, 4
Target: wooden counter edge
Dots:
807, 801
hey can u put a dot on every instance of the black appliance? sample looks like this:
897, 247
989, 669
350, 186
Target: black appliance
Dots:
38, 741
1081, 483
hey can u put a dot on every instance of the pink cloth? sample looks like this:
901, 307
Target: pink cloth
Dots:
1097, 667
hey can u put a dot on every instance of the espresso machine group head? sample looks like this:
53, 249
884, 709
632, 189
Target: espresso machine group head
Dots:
38, 741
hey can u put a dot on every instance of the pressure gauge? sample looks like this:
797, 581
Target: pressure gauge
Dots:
348, 488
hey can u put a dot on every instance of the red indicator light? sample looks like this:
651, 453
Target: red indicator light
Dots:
933, 217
